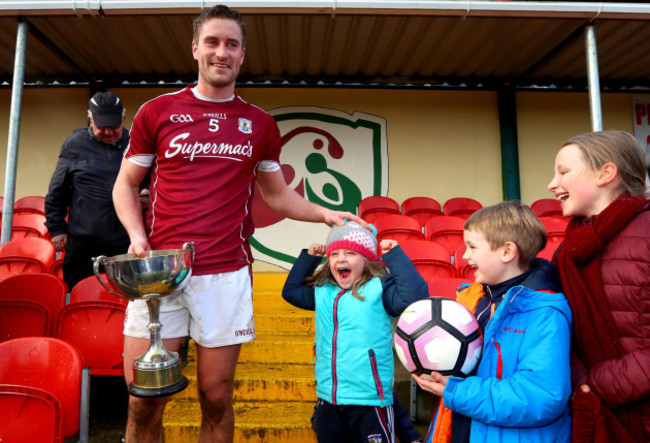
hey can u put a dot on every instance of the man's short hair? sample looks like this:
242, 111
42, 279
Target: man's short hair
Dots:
219, 11
510, 221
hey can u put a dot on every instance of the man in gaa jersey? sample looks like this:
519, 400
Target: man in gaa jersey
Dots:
206, 148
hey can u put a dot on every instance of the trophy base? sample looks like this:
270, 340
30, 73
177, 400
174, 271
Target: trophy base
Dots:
159, 391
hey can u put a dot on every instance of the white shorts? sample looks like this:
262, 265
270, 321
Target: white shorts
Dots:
215, 310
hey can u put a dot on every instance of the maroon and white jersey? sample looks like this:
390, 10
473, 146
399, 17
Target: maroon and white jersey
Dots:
204, 155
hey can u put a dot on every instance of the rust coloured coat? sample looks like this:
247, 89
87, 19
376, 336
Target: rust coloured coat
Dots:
625, 271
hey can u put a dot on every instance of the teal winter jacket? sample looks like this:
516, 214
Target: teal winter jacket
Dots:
353, 343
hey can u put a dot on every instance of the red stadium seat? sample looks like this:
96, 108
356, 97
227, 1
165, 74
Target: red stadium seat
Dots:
56, 268
421, 208
89, 289
461, 207
32, 221
446, 287
463, 269
556, 229
430, 259
43, 289
548, 252
30, 415
95, 329
10, 266
398, 227
555, 226
370, 208
36, 248
32, 203
24, 232
547, 207
445, 230
48, 364
23, 318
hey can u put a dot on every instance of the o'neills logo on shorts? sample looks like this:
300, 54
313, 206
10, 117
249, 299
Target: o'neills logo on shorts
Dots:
247, 331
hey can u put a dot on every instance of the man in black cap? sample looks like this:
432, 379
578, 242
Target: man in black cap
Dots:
81, 187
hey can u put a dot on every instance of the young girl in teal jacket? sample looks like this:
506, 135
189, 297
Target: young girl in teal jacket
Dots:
355, 300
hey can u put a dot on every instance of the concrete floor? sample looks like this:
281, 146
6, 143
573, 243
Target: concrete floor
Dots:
108, 408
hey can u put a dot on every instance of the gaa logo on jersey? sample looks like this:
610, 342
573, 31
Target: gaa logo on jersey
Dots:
245, 126
180, 118
331, 158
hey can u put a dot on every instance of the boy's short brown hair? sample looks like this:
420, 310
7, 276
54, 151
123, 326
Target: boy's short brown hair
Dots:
510, 221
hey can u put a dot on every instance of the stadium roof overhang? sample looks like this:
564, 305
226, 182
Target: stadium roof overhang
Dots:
482, 44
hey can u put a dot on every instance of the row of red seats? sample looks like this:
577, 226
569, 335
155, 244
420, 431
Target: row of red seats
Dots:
28, 217
40, 385
443, 229
37, 255
50, 348
422, 209
437, 250
42, 299
434, 262
419, 208
446, 230
33, 305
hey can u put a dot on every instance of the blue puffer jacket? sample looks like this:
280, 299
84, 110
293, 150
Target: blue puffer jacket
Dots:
354, 357
523, 383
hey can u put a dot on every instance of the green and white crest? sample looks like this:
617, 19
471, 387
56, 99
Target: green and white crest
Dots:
331, 158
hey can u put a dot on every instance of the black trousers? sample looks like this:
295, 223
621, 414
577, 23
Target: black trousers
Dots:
353, 424
78, 263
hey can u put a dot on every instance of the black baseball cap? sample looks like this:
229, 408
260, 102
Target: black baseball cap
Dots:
106, 109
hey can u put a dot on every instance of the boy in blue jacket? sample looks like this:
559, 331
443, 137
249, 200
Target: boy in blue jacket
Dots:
523, 382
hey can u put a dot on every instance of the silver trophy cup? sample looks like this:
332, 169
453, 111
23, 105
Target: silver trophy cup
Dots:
157, 373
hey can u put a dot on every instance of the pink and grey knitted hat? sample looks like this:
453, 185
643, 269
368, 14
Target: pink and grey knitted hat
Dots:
354, 237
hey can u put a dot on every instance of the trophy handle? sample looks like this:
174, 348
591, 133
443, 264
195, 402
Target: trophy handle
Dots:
190, 245
102, 259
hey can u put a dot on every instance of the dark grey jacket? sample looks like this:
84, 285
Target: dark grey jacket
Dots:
83, 184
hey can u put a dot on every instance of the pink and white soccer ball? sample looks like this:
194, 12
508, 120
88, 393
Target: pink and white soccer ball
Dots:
438, 334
